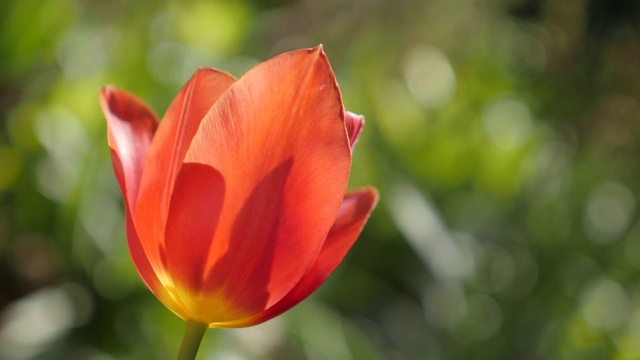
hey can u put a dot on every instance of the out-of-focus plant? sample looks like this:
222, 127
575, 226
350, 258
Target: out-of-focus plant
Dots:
503, 135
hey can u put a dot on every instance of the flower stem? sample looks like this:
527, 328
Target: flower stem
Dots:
191, 340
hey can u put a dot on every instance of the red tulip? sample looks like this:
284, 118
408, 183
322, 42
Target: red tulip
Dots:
235, 204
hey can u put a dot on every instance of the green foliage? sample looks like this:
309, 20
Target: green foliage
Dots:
503, 136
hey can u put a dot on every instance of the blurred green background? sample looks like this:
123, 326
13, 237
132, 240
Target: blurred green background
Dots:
503, 136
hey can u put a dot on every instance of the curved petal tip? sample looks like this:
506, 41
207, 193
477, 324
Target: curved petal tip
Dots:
354, 124
131, 125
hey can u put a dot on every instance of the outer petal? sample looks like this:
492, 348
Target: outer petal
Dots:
354, 124
167, 151
278, 138
145, 270
130, 126
354, 212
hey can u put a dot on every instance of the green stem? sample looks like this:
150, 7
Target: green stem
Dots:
191, 340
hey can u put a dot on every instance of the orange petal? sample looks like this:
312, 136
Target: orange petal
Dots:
193, 218
354, 124
145, 270
354, 212
167, 151
130, 126
278, 137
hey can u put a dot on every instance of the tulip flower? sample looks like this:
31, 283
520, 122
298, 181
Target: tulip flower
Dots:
235, 203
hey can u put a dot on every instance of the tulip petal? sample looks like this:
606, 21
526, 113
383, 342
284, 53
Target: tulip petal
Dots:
130, 126
177, 128
167, 151
193, 217
354, 124
354, 212
145, 270
278, 137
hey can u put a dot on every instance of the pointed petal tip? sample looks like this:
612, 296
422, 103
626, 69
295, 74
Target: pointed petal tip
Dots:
376, 195
106, 91
371, 191
354, 115
123, 105
205, 70
319, 50
109, 90
355, 125
368, 195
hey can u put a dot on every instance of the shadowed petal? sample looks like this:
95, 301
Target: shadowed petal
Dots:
353, 215
281, 125
193, 218
130, 125
167, 151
